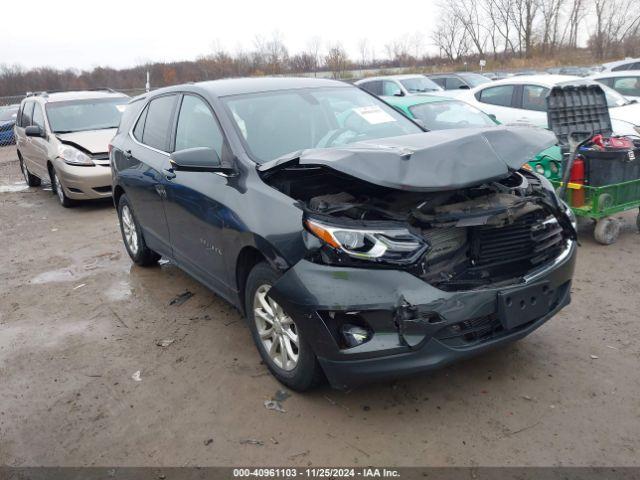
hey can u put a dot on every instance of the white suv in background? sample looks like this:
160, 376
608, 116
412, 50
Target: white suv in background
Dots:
522, 101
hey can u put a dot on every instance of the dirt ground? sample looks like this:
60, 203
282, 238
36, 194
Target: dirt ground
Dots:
77, 320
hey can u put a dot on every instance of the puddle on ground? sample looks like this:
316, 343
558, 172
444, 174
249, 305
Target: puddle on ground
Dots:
119, 291
83, 268
16, 187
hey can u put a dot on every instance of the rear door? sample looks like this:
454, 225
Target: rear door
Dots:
195, 201
145, 178
532, 102
499, 101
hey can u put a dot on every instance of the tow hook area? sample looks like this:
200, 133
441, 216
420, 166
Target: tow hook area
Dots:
415, 323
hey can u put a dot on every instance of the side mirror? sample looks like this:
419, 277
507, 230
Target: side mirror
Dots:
34, 131
201, 159
464, 87
399, 93
492, 117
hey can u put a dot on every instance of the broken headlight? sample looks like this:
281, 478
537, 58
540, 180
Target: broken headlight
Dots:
393, 245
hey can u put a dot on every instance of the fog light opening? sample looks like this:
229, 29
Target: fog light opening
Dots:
354, 335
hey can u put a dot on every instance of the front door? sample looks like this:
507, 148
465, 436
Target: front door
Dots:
195, 202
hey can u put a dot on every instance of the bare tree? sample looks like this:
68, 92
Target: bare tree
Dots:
364, 49
451, 38
314, 49
337, 61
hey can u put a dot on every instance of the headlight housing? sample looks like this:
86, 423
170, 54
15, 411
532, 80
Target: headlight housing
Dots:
390, 245
73, 156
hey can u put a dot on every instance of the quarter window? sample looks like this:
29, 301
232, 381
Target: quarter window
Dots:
534, 98
139, 129
197, 126
497, 95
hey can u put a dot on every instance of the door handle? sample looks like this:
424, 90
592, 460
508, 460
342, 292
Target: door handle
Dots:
169, 173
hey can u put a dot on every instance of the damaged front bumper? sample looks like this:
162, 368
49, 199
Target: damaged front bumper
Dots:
414, 326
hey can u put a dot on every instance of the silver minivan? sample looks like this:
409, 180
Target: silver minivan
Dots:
64, 138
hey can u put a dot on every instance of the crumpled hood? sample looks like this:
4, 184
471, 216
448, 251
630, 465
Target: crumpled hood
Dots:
431, 161
93, 141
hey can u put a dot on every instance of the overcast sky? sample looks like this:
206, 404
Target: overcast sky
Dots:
119, 33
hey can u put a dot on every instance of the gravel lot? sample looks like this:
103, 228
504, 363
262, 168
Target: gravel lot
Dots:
77, 320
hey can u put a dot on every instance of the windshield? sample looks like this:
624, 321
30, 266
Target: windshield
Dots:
8, 114
274, 124
82, 115
419, 85
450, 114
475, 79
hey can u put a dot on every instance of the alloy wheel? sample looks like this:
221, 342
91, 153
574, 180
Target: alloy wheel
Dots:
58, 187
25, 171
277, 330
129, 229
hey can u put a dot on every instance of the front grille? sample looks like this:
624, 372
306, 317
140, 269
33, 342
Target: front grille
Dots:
529, 241
500, 254
472, 331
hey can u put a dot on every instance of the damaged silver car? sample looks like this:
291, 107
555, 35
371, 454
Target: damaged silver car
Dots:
359, 246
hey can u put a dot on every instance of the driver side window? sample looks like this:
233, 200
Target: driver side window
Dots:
197, 127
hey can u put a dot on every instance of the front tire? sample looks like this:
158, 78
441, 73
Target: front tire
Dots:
607, 230
56, 187
132, 236
31, 179
281, 345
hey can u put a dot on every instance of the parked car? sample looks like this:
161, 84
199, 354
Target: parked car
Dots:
620, 65
626, 82
398, 85
460, 80
7, 122
441, 113
63, 137
521, 101
358, 246
496, 75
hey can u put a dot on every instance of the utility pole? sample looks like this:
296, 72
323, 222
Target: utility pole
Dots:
147, 85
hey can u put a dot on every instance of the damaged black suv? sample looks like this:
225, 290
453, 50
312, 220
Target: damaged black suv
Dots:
358, 246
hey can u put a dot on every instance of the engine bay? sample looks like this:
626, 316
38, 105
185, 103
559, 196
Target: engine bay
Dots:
491, 233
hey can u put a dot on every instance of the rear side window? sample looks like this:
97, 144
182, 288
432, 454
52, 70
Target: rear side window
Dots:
197, 127
534, 98
621, 67
38, 116
454, 83
501, 95
627, 86
374, 87
440, 81
27, 114
157, 122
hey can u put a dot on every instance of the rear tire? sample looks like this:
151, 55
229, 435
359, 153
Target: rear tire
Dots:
31, 179
607, 230
56, 188
300, 374
132, 236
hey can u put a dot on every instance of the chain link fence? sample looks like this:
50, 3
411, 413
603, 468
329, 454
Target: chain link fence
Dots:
9, 110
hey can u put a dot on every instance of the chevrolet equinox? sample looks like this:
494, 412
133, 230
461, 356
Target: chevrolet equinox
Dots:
358, 246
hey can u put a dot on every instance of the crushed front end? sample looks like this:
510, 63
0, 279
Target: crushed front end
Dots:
400, 281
